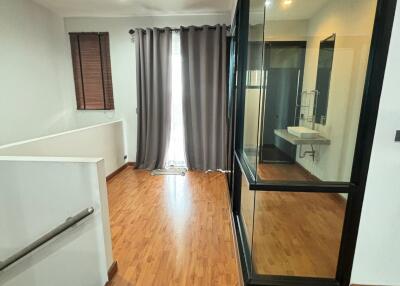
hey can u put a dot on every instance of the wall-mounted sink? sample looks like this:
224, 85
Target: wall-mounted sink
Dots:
302, 132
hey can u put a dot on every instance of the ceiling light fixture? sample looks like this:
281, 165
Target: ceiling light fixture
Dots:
287, 2
268, 3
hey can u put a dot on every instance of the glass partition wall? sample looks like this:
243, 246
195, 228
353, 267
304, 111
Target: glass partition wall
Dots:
254, 83
305, 78
303, 137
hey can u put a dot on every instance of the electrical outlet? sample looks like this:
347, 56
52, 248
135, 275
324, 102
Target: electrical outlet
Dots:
125, 157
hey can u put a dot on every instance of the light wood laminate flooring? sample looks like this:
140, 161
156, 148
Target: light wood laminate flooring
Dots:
172, 230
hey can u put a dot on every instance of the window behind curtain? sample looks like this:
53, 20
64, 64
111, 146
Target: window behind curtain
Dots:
176, 148
92, 71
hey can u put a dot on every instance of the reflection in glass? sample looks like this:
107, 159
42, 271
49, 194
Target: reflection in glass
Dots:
247, 210
297, 234
312, 89
284, 66
254, 80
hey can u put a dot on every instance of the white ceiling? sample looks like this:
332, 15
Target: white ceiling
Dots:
296, 10
110, 8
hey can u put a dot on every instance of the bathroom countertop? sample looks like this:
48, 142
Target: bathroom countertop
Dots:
285, 135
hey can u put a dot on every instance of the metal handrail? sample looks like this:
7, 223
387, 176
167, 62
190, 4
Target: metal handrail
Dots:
71, 221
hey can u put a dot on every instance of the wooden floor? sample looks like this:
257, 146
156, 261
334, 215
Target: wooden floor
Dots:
171, 230
174, 230
284, 172
295, 234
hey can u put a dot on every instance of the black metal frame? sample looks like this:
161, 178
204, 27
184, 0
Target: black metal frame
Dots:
355, 188
231, 112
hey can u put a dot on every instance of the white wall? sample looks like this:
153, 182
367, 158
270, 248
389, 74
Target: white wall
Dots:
377, 257
38, 94
293, 30
251, 113
352, 21
31, 58
99, 141
123, 62
32, 204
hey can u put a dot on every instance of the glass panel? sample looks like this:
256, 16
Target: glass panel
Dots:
247, 210
316, 57
254, 80
284, 63
297, 234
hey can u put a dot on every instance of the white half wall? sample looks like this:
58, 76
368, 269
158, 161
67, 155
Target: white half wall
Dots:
123, 65
100, 141
377, 257
32, 53
38, 94
39, 194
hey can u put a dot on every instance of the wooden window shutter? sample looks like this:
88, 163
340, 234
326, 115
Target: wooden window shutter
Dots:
92, 71
107, 78
76, 63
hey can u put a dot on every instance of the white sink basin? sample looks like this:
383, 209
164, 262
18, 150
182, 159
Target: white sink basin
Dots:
302, 132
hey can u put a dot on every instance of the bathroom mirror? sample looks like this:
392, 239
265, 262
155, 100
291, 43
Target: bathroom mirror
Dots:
325, 59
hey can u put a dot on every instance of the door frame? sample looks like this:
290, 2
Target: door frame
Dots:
298, 44
380, 42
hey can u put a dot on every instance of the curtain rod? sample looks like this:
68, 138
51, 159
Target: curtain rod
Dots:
228, 28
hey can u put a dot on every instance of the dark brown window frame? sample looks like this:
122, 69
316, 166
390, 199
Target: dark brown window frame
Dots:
86, 97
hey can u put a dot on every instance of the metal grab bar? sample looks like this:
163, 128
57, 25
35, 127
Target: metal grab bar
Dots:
71, 221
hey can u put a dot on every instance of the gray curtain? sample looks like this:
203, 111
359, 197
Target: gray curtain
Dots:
153, 64
204, 76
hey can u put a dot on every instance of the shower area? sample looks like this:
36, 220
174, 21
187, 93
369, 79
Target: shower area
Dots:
283, 78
